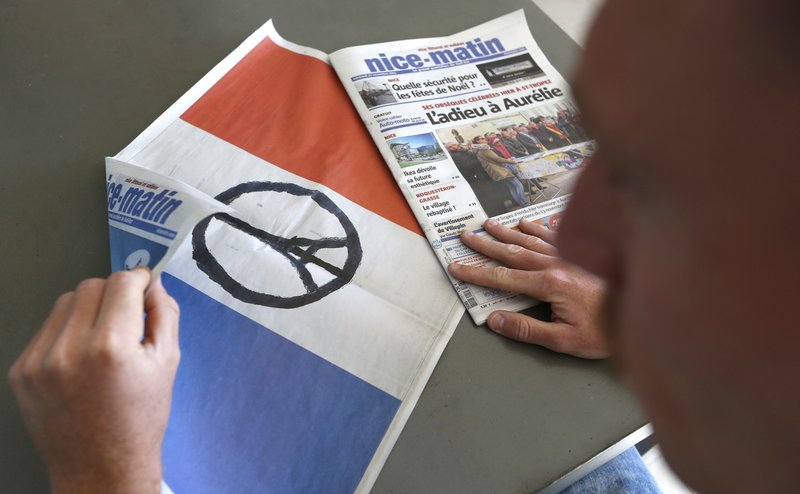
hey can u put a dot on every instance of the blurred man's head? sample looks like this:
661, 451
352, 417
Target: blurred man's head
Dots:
697, 227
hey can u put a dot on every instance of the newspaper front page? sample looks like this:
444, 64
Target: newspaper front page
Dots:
473, 126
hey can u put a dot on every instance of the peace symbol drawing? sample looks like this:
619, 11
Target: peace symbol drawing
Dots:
322, 262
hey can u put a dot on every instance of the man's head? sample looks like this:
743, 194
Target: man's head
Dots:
696, 229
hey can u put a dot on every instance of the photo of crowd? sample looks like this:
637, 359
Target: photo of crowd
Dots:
488, 154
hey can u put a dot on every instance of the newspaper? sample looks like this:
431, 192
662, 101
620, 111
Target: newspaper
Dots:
426, 101
313, 309
149, 215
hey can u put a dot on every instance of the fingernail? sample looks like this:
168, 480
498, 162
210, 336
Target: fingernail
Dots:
496, 322
454, 266
491, 223
467, 233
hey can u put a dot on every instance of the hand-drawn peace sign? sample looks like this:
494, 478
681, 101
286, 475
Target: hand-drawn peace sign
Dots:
299, 251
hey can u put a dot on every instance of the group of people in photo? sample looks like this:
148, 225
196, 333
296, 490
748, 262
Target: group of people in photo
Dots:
494, 154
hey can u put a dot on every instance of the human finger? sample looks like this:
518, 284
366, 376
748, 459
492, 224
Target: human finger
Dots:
527, 329
563, 338
163, 314
83, 312
498, 277
509, 236
51, 326
32, 357
533, 228
123, 304
512, 255
548, 285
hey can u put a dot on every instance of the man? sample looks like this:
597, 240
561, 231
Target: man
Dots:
511, 143
491, 194
532, 146
701, 286
560, 137
499, 169
702, 282
530, 142
566, 121
536, 129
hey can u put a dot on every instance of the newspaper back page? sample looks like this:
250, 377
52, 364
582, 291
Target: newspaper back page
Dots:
312, 308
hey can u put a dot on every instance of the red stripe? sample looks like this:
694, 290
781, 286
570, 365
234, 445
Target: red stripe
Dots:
292, 111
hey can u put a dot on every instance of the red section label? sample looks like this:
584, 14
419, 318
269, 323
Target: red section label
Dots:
292, 111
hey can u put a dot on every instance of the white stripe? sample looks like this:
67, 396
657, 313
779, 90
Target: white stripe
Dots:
382, 326
302, 50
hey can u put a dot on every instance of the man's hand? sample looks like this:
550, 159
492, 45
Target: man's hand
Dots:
95, 384
531, 265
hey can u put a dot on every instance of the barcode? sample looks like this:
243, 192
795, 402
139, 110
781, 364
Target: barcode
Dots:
466, 295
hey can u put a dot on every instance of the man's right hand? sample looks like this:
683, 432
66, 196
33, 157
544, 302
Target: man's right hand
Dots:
95, 384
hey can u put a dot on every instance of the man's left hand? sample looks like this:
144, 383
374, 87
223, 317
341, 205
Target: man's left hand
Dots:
530, 265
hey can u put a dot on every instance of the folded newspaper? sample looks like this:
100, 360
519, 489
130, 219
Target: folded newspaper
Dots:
306, 248
473, 126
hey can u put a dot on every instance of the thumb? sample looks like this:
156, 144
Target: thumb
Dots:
527, 329
161, 327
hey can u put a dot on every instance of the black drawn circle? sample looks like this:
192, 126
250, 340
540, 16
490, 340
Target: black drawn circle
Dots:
298, 251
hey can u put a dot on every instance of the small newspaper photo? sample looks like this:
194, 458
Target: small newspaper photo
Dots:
473, 126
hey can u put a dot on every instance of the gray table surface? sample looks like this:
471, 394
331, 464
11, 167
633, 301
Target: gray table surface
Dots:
81, 79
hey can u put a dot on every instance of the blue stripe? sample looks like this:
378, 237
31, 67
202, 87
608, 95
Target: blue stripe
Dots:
254, 412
